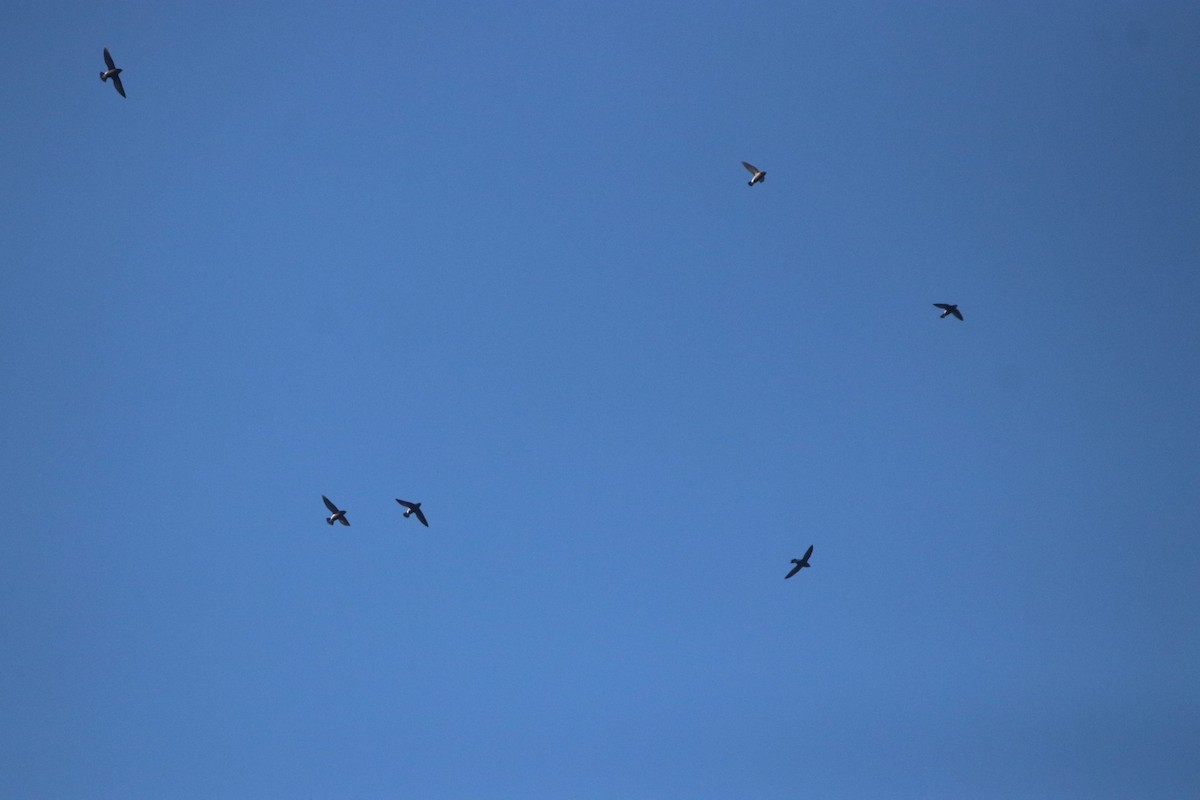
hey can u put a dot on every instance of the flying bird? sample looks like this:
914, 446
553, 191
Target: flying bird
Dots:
112, 72
759, 175
948, 309
337, 514
413, 508
800, 563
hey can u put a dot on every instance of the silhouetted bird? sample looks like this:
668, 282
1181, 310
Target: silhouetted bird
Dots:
800, 563
112, 72
759, 175
948, 309
413, 508
338, 514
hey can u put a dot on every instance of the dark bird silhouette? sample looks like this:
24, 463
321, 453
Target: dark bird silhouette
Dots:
800, 563
413, 508
338, 514
948, 309
759, 175
112, 72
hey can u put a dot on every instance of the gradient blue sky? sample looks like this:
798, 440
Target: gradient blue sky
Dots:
501, 258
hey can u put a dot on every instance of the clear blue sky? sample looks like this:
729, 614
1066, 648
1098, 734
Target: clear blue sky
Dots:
501, 258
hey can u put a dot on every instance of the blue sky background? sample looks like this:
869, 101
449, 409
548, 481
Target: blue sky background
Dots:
502, 259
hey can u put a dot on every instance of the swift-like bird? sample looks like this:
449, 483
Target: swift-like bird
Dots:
112, 72
759, 175
337, 514
948, 309
800, 563
413, 508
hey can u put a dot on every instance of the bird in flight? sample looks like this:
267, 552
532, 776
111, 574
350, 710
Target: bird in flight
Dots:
112, 72
337, 514
413, 508
800, 563
759, 175
948, 309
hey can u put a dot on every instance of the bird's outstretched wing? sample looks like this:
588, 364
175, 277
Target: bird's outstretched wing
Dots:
116, 79
108, 59
342, 519
753, 169
795, 569
421, 516
942, 306
956, 312
807, 553
329, 504
405, 503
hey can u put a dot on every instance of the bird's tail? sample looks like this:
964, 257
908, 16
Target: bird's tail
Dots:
329, 520
102, 78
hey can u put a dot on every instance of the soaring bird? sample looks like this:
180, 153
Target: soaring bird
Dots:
948, 309
759, 175
800, 563
413, 508
112, 72
337, 514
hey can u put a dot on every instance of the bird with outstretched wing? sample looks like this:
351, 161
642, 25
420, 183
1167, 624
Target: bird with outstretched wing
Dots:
413, 508
800, 563
336, 514
112, 72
